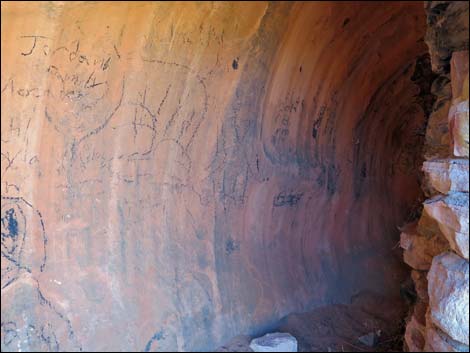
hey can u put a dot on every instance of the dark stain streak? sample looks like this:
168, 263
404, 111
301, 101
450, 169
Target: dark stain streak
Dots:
287, 199
332, 179
364, 171
318, 121
231, 246
235, 64
156, 337
117, 52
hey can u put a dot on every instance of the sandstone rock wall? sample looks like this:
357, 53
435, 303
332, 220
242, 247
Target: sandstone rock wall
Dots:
439, 249
175, 174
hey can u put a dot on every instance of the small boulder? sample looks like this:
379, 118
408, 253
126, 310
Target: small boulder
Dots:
448, 284
274, 342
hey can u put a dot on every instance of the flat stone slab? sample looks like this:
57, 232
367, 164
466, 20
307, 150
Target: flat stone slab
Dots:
274, 342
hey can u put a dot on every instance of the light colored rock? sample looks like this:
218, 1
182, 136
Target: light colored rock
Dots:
274, 342
419, 250
451, 213
458, 113
438, 341
447, 175
448, 295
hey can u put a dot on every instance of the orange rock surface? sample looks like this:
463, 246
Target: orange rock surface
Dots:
194, 171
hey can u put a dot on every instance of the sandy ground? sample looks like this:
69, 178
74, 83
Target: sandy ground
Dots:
336, 328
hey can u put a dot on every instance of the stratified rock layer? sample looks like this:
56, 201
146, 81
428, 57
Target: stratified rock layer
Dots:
448, 281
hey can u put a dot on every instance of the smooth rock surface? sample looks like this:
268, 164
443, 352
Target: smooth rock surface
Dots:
274, 342
447, 31
202, 169
448, 281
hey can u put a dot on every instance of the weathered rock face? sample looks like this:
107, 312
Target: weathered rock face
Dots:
192, 171
445, 214
447, 31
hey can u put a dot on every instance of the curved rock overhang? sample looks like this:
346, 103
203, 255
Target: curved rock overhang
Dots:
200, 170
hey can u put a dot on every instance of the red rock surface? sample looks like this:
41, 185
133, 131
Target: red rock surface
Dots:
195, 171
